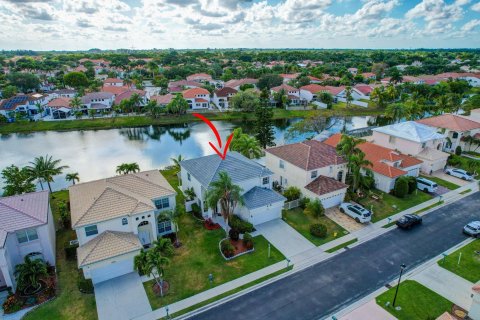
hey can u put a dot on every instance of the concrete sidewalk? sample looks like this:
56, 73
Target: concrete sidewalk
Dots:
369, 311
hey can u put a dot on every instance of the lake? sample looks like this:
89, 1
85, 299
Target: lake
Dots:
95, 154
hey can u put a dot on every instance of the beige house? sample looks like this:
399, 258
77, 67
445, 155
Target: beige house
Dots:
116, 217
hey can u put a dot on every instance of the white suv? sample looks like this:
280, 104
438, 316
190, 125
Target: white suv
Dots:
459, 173
426, 185
357, 212
472, 229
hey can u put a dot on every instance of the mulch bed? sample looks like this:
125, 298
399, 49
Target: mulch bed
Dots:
210, 225
165, 287
239, 246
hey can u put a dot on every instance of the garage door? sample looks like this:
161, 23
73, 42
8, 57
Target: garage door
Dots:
333, 200
110, 271
265, 214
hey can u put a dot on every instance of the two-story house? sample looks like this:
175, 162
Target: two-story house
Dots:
454, 127
197, 98
387, 165
26, 229
261, 203
114, 82
222, 97
114, 218
98, 100
415, 139
292, 93
312, 166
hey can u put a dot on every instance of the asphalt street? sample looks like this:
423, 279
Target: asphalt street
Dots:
333, 284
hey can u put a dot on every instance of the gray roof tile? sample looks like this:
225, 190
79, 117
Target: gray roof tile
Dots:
259, 197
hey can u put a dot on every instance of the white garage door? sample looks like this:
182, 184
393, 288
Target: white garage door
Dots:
110, 271
333, 200
265, 214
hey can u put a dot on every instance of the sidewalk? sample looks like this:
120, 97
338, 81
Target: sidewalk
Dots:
371, 311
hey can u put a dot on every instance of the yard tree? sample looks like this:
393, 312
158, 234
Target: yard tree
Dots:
17, 181
264, 122
45, 168
76, 79
9, 91
311, 124
327, 98
396, 112
72, 177
269, 81
247, 146
348, 95
315, 208
401, 187
178, 105
24, 81
246, 101
126, 168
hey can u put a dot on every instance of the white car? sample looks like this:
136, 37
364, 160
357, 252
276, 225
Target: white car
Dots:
426, 185
357, 212
472, 229
459, 173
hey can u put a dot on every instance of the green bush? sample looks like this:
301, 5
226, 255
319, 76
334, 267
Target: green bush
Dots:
227, 248
412, 184
235, 222
84, 285
318, 230
304, 202
292, 193
71, 252
234, 234
458, 150
248, 241
315, 208
454, 160
401, 187
195, 208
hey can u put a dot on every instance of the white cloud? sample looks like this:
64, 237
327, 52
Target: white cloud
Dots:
476, 7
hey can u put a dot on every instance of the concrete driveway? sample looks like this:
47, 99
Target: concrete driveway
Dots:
284, 238
121, 298
442, 175
345, 221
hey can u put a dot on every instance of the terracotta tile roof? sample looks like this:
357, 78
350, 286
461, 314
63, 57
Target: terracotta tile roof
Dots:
185, 83
193, 92
238, 82
59, 103
334, 90
196, 76
308, 155
108, 244
200, 100
314, 78
323, 185
161, 100
364, 89
285, 87
225, 91
333, 140
313, 88
128, 94
451, 122
289, 75
115, 90
368, 74
113, 80
105, 199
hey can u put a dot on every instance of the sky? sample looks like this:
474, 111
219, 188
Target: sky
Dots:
197, 24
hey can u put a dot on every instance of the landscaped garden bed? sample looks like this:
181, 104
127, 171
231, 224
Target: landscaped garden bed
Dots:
233, 247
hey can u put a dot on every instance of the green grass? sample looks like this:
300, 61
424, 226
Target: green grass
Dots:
343, 245
416, 301
301, 222
447, 184
383, 208
429, 207
70, 302
466, 191
469, 267
228, 293
388, 225
467, 164
140, 120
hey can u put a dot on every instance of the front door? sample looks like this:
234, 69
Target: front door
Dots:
144, 234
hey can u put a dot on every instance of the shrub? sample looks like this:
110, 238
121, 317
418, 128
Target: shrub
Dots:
227, 248
412, 184
234, 234
197, 212
71, 252
235, 222
318, 230
84, 285
292, 193
12, 304
304, 202
401, 187
315, 208
453, 160
248, 241
458, 150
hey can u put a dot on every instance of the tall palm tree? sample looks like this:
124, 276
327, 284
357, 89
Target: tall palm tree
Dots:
176, 161
36, 169
126, 168
72, 177
157, 263
136, 101
174, 216
46, 168
76, 103
348, 95
396, 112
29, 273
225, 192
249, 147
164, 247
355, 163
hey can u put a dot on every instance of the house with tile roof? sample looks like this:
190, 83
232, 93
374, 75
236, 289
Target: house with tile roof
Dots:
59, 108
222, 97
312, 166
163, 100
387, 164
200, 77
454, 127
114, 218
197, 98
237, 83
261, 202
98, 100
416, 139
26, 229
113, 82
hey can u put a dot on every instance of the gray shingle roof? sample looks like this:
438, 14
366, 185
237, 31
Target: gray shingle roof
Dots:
206, 169
259, 197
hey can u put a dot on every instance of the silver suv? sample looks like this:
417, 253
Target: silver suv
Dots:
472, 229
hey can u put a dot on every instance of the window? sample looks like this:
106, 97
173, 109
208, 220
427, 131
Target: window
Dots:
423, 145
282, 164
266, 180
164, 226
27, 235
124, 221
162, 203
391, 139
91, 230
455, 135
313, 174
188, 177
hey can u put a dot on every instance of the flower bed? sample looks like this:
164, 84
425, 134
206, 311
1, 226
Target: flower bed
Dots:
231, 249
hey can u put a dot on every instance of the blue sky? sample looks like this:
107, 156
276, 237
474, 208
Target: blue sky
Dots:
143, 24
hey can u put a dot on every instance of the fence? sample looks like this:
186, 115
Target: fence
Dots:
292, 204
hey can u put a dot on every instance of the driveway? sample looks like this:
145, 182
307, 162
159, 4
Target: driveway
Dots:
345, 221
284, 238
442, 175
121, 298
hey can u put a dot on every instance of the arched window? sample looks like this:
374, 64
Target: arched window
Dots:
143, 223
340, 175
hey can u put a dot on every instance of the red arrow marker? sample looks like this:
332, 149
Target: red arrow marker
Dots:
219, 139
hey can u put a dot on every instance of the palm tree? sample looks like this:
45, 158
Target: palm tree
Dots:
396, 112
72, 177
164, 247
76, 103
248, 146
348, 95
225, 192
46, 168
174, 216
327, 98
29, 273
176, 162
157, 262
126, 168
355, 163
135, 100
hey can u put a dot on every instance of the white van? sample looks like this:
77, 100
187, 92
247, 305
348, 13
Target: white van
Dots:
426, 185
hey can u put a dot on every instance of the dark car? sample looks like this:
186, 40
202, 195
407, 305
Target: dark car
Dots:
408, 221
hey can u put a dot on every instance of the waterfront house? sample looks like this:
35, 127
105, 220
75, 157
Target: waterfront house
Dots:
222, 97
197, 98
98, 101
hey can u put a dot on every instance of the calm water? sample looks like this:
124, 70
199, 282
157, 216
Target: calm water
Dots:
95, 154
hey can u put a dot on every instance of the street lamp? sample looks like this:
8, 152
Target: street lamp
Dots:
402, 267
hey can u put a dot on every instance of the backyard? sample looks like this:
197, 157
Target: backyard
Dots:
301, 222
415, 300
389, 205
70, 302
469, 266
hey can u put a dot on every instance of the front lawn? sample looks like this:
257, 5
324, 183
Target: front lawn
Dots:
70, 302
301, 222
467, 164
199, 256
415, 300
447, 184
389, 205
469, 267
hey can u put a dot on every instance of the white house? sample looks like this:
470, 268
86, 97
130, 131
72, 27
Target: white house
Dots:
26, 229
197, 98
114, 82
98, 100
292, 93
415, 139
312, 166
115, 218
261, 203
222, 97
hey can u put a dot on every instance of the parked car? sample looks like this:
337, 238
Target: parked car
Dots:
459, 173
408, 221
426, 185
472, 229
356, 211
